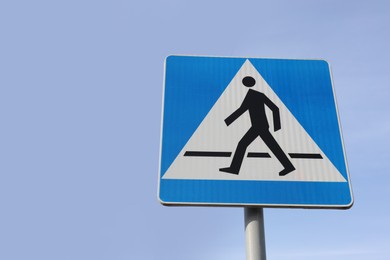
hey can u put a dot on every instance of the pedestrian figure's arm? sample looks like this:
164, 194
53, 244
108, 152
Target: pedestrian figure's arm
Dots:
236, 114
275, 113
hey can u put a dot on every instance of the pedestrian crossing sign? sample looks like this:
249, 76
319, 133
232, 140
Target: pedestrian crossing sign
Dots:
251, 132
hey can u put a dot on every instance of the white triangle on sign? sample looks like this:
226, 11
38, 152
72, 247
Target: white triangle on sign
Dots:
212, 135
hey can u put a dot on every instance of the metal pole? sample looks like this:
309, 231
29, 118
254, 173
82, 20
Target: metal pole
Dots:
254, 233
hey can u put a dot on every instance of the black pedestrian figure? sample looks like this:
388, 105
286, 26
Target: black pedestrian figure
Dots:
255, 103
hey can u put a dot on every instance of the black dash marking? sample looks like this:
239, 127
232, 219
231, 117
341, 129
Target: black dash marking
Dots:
305, 155
259, 155
207, 154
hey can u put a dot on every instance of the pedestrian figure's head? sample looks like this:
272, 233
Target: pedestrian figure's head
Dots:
248, 81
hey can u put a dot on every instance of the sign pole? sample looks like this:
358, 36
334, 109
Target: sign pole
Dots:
254, 233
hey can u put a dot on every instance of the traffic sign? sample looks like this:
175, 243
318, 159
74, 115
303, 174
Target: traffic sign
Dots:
244, 131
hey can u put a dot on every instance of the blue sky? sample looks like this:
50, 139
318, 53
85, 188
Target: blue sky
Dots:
80, 110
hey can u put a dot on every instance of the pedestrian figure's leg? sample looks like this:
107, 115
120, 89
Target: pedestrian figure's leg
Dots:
278, 152
239, 154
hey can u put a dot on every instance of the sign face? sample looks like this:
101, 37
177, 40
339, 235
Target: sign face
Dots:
251, 132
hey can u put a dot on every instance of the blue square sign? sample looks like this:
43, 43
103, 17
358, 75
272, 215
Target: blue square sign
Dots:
251, 132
